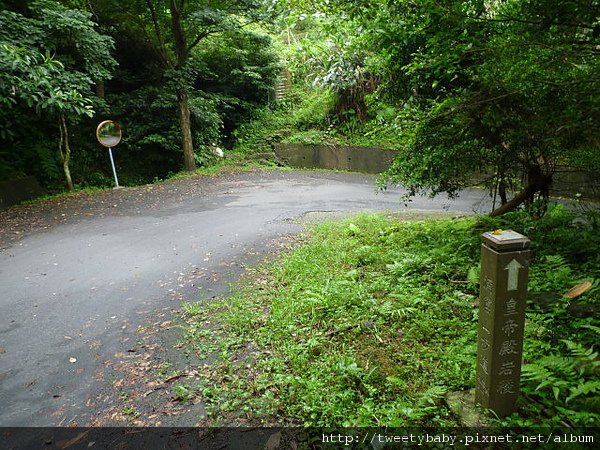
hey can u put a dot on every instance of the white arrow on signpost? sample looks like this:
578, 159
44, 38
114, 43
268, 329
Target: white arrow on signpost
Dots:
513, 275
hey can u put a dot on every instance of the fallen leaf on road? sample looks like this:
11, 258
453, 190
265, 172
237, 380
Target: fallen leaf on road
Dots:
2, 350
72, 360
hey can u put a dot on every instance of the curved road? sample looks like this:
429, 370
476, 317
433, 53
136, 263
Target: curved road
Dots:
73, 291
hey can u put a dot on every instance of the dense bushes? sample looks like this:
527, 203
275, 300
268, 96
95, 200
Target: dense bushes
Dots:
230, 75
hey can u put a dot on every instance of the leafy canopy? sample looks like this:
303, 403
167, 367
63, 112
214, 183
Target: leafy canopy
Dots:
507, 88
50, 56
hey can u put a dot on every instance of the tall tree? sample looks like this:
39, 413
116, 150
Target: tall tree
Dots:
176, 28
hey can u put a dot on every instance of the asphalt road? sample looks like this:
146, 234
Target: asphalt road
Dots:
73, 291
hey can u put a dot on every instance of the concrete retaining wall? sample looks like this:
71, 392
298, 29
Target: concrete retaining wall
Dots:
16, 191
359, 159
567, 181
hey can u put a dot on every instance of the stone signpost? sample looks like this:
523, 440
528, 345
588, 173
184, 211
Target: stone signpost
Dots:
503, 291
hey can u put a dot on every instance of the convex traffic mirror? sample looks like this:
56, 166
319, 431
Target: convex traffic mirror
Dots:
109, 133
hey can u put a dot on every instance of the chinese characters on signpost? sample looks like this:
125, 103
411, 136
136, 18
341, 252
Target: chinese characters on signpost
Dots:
503, 291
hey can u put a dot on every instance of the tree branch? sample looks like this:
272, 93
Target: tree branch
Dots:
250, 22
161, 43
515, 202
178, 34
517, 20
197, 39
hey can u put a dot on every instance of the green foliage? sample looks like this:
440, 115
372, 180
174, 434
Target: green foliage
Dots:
331, 99
183, 392
554, 233
52, 83
130, 411
152, 139
567, 377
237, 70
304, 42
49, 57
174, 31
390, 326
265, 128
507, 89
306, 115
25, 73
567, 382
337, 331
302, 118
152, 144
313, 113
560, 373
20, 158
227, 73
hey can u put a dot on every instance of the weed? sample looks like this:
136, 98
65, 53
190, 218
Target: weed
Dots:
165, 369
130, 411
183, 392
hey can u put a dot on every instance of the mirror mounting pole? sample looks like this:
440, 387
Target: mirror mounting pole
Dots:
112, 163
109, 134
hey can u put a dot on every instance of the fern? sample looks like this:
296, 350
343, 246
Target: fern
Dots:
569, 379
552, 274
592, 327
585, 388
432, 395
390, 309
535, 372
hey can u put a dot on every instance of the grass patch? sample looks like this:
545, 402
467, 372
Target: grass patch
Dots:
79, 191
234, 163
370, 322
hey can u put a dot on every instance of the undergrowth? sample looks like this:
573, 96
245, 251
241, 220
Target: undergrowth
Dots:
371, 322
306, 117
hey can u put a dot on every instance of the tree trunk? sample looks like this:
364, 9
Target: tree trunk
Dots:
186, 130
181, 53
502, 191
515, 202
65, 150
100, 92
537, 181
